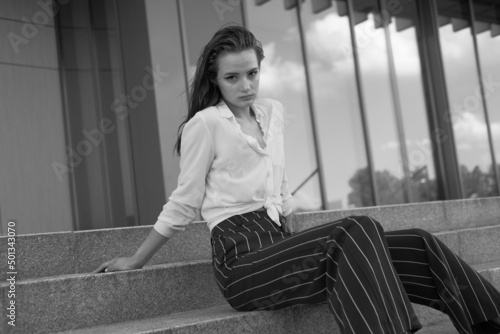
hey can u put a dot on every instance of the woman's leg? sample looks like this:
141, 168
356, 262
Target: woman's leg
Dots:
345, 263
435, 276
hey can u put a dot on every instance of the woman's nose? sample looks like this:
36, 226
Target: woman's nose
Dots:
245, 85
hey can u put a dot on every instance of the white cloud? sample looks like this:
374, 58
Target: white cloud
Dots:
329, 43
325, 38
471, 137
278, 74
469, 129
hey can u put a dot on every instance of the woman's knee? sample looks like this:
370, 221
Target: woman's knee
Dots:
367, 223
421, 232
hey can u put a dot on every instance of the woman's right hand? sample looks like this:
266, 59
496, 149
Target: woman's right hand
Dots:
117, 264
147, 249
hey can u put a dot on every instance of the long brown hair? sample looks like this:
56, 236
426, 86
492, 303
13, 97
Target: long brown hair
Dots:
203, 90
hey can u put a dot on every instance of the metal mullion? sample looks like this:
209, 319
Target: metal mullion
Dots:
184, 50
98, 106
430, 104
311, 109
66, 119
362, 110
483, 99
397, 110
244, 14
133, 181
445, 156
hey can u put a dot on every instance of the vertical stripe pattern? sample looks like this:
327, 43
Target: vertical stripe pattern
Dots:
434, 276
366, 276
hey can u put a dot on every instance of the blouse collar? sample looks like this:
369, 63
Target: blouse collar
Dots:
225, 112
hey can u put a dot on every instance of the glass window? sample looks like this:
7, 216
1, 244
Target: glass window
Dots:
170, 95
378, 102
487, 15
98, 150
338, 122
466, 107
421, 176
283, 78
201, 19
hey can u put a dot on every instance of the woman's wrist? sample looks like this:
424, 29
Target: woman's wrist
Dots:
137, 261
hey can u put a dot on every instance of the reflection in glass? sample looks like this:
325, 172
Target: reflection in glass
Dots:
487, 23
419, 152
201, 19
379, 103
283, 78
333, 88
466, 107
98, 138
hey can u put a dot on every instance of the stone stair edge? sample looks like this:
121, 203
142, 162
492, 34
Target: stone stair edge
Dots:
480, 267
300, 215
85, 275
60, 253
472, 244
491, 271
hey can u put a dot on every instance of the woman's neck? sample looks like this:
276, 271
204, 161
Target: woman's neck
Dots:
243, 113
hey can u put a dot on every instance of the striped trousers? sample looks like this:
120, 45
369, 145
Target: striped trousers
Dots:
367, 277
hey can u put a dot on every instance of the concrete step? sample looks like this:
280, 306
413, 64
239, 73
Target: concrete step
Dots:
55, 292
442, 327
83, 300
297, 319
64, 253
43, 255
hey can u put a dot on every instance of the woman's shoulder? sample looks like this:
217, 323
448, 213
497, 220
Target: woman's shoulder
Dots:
206, 116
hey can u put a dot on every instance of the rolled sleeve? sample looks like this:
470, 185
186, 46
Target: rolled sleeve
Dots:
197, 154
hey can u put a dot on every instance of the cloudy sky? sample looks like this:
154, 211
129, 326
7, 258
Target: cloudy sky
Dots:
335, 95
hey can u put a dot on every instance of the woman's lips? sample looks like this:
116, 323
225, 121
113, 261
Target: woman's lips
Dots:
247, 97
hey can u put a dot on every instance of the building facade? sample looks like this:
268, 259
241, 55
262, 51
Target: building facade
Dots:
387, 102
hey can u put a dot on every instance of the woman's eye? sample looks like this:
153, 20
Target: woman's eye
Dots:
232, 77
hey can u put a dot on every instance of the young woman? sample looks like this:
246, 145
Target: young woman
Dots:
233, 169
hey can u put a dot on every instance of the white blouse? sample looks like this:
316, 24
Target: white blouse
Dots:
225, 172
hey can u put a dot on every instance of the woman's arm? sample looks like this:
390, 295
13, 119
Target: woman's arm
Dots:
197, 154
148, 248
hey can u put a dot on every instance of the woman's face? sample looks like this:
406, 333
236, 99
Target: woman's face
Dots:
238, 79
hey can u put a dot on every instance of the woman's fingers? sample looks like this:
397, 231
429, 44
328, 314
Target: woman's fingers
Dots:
104, 267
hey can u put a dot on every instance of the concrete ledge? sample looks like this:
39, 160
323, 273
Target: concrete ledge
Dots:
430, 216
43, 255
472, 213
75, 301
63, 253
